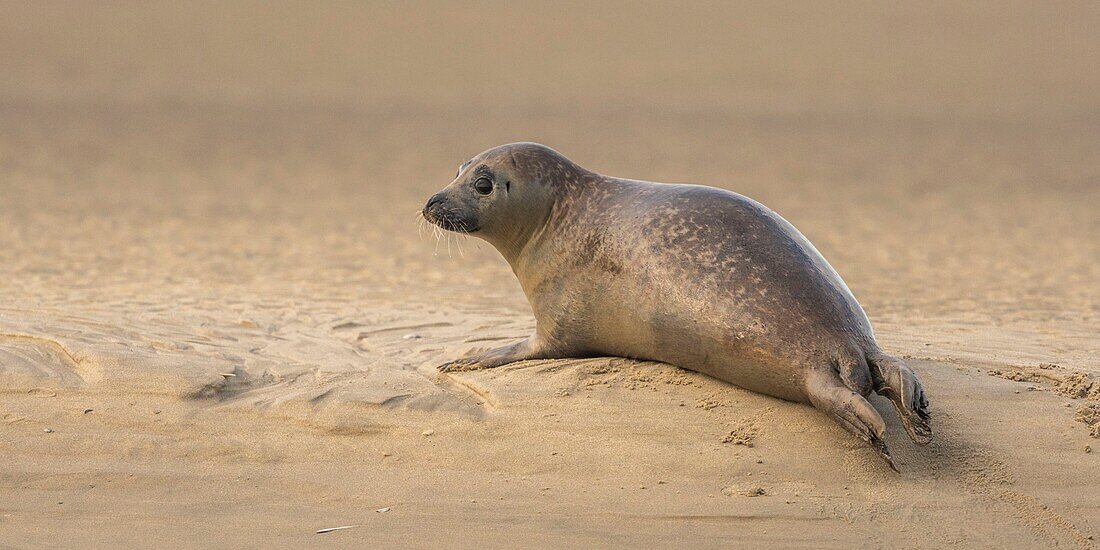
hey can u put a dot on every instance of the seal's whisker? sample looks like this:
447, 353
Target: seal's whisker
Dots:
435, 233
458, 244
463, 231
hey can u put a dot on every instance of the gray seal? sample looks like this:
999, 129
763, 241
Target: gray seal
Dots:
693, 276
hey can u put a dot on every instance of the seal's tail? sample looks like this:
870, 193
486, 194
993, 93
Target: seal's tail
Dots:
895, 380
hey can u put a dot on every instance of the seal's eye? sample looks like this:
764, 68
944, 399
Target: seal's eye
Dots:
483, 186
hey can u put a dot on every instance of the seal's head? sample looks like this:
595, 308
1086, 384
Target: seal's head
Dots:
502, 195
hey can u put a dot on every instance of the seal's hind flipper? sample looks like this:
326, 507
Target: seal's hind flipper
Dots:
896, 381
828, 393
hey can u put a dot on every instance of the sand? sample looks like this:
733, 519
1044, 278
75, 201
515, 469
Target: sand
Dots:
219, 321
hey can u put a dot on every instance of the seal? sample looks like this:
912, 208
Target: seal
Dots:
694, 276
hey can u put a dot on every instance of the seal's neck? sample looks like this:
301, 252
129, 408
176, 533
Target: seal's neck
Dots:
526, 234
547, 205
533, 255
546, 241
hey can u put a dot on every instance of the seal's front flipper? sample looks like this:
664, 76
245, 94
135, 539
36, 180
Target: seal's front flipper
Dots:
897, 382
461, 365
529, 348
829, 394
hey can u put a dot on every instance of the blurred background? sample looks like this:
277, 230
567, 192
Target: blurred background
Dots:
944, 156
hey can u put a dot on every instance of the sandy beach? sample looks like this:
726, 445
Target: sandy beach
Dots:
220, 316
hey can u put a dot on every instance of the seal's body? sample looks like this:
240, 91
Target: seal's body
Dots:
694, 276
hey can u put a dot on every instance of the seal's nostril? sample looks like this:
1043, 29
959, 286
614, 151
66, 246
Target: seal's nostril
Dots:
434, 200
